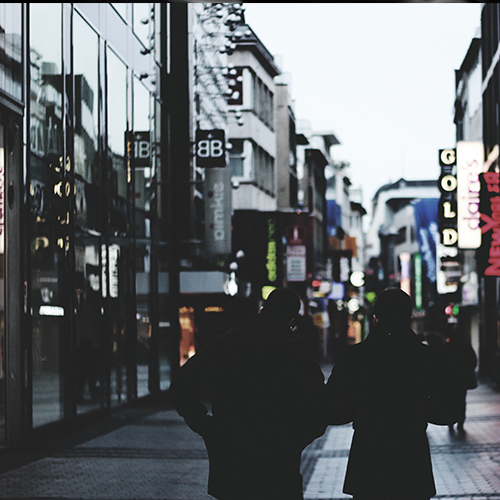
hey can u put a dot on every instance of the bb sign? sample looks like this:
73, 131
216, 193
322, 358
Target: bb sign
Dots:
210, 148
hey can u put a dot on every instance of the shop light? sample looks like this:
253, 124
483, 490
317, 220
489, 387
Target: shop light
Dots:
51, 311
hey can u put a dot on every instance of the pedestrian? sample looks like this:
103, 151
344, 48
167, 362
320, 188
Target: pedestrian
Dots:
390, 387
265, 389
461, 361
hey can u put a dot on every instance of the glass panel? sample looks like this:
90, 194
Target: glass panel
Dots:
142, 124
142, 174
118, 254
143, 273
118, 263
2, 298
117, 124
85, 46
89, 335
46, 211
11, 69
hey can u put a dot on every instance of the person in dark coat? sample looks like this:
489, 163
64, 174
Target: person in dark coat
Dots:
266, 394
461, 361
390, 387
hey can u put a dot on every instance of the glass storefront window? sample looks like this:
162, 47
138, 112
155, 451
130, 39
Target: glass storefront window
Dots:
86, 56
117, 124
89, 336
3, 388
11, 69
142, 179
47, 215
118, 255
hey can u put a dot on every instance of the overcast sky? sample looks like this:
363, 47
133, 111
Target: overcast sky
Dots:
379, 76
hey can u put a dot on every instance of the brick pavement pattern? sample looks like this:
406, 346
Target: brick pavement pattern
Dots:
150, 454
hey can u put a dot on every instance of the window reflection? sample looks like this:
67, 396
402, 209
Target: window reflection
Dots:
85, 48
47, 214
90, 360
2, 298
142, 178
11, 70
117, 124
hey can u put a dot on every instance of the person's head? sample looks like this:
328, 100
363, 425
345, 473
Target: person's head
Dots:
282, 304
393, 308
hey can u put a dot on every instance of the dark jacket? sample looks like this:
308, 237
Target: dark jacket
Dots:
389, 386
265, 390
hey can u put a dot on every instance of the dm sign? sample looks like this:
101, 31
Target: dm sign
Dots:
489, 253
210, 148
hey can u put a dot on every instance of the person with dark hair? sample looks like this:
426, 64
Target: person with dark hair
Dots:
389, 386
266, 394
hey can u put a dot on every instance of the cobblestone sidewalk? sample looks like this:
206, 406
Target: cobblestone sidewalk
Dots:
466, 466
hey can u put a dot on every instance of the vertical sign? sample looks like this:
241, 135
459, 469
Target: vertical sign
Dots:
447, 209
296, 254
418, 282
218, 206
470, 162
489, 253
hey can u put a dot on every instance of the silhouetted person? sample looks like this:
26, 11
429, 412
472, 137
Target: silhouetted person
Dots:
266, 392
389, 386
461, 362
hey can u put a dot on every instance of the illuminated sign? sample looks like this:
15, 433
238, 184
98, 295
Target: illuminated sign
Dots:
470, 161
272, 253
417, 265
489, 254
447, 207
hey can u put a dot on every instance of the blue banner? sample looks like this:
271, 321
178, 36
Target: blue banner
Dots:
426, 225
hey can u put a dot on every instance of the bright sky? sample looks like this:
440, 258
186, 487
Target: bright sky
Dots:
380, 76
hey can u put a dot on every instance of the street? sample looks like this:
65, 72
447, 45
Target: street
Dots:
148, 453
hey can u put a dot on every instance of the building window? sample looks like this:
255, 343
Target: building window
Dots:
263, 102
11, 68
47, 210
236, 158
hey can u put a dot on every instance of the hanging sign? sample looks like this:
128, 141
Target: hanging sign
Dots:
210, 148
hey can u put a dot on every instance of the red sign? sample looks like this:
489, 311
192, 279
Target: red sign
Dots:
489, 252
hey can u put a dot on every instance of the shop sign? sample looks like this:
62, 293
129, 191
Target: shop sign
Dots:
138, 146
489, 254
447, 207
470, 162
296, 267
417, 264
272, 251
296, 263
210, 148
218, 211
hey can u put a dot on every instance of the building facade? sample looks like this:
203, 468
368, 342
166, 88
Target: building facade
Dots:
401, 245
79, 124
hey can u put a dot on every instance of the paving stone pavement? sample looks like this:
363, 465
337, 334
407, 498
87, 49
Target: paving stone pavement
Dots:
466, 466
150, 454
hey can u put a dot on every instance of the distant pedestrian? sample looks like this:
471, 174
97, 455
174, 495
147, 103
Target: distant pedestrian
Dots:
461, 362
389, 386
266, 393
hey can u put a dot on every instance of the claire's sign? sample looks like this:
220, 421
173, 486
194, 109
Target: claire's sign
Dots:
489, 253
